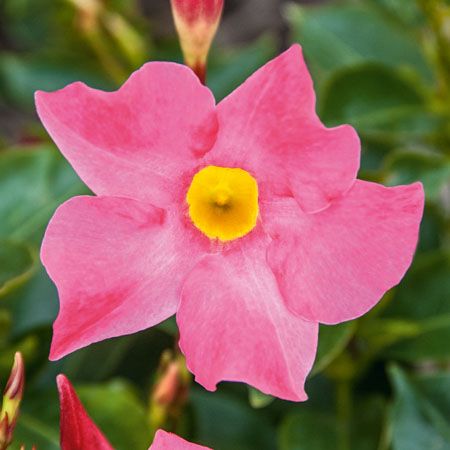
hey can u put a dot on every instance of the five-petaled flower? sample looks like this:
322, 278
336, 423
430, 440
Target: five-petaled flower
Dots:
244, 218
78, 431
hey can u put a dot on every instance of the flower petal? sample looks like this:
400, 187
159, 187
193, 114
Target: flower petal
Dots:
137, 141
234, 326
335, 265
78, 431
269, 127
169, 441
119, 266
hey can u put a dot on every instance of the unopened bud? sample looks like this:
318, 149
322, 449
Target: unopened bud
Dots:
196, 22
168, 388
170, 391
11, 401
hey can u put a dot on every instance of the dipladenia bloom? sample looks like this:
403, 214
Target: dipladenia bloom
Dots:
79, 432
12, 397
196, 22
244, 218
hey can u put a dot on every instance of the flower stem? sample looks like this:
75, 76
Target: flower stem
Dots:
437, 13
344, 413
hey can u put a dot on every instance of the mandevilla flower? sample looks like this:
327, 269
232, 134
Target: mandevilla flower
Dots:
79, 432
243, 218
196, 22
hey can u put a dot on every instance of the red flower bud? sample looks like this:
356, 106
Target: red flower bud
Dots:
78, 431
196, 22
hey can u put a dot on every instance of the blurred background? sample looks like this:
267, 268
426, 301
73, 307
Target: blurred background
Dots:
381, 382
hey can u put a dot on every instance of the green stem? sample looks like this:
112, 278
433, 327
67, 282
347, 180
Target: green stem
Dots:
344, 413
96, 40
438, 16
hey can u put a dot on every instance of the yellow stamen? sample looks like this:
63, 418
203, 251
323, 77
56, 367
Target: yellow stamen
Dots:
223, 202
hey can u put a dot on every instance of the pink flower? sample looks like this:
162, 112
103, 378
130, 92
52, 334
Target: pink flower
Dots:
245, 219
78, 431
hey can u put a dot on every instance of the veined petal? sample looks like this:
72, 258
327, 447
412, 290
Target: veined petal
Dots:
78, 431
269, 127
234, 326
118, 265
169, 441
138, 141
335, 265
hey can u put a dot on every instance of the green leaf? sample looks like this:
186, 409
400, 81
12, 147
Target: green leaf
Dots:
431, 236
21, 77
16, 264
405, 11
83, 364
169, 326
31, 430
385, 107
225, 423
119, 413
33, 304
28, 346
373, 98
332, 341
230, 69
421, 411
38, 422
338, 36
5, 324
404, 167
422, 300
33, 182
310, 429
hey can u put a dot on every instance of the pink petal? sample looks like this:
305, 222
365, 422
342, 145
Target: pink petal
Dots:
78, 431
335, 265
235, 327
269, 127
169, 441
119, 266
138, 141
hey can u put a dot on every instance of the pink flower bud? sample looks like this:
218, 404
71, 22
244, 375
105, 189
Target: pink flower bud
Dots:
11, 401
169, 386
196, 22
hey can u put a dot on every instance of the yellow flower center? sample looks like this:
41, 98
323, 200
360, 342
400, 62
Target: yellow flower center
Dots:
223, 202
